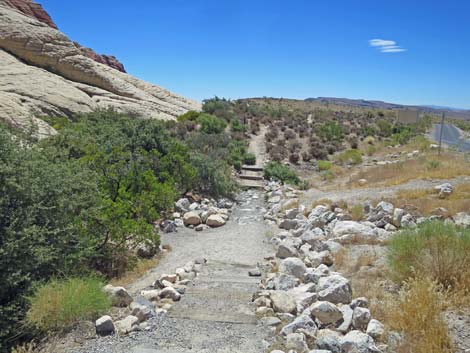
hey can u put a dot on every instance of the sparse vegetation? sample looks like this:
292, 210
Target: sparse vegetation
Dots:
59, 304
280, 172
436, 250
416, 313
351, 156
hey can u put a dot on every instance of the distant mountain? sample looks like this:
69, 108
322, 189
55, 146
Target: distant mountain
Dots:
372, 104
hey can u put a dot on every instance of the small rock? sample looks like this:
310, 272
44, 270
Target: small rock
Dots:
326, 312
296, 342
361, 318
293, 266
462, 219
182, 205
358, 342
170, 293
254, 273
285, 251
129, 324
375, 329
104, 325
191, 218
270, 321
140, 311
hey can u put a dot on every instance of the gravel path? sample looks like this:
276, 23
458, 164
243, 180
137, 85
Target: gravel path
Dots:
215, 314
374, 193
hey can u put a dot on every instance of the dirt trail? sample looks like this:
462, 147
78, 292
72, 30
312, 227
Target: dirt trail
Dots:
375, 193
258, 146
215, 315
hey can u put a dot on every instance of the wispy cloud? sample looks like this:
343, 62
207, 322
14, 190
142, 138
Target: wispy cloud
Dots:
386, 46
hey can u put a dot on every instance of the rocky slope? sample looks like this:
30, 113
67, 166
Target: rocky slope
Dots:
44, 73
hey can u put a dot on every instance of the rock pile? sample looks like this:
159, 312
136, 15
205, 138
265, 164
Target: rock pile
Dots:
198, 214
157, 300
309, 305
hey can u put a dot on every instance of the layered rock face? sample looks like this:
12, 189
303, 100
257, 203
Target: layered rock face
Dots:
33, 10
44, 73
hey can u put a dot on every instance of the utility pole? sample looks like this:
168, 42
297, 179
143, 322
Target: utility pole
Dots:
440, 134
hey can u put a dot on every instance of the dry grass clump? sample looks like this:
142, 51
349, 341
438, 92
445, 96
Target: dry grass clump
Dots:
431, 166
437, 249
426, 201
59, 304
141, 267
416, 313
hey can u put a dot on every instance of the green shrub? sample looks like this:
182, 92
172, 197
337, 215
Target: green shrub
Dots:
280, 172
59, 304
324, 165
327, 175
433, 164
250, 159
237, 125
351, 156
331, 132
211, 124
213, 177
189, 116
437, 250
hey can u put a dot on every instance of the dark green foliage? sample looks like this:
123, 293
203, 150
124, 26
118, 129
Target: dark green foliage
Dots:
250, 159
78, 202
436, 249
221, 107
237, 125
210, 124
331, 132
189, 116
280, 172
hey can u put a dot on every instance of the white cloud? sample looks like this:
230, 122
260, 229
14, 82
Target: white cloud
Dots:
386, 46
381, 42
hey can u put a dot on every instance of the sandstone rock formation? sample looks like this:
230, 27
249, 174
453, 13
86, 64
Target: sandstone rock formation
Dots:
33, 10
43, 73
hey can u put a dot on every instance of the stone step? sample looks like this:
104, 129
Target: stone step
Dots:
201, 314
251, 176
255, 168
251, 184
225, 293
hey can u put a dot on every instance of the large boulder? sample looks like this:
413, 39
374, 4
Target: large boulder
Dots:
215, 220
293, 266
335, 289
118, 295
462, 219
191, 219
283, 302
326, 312
182, 205
351, 231
358, 342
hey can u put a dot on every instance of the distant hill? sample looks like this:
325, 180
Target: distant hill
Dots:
372, 104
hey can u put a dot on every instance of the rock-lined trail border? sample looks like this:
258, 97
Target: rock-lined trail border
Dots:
216, 313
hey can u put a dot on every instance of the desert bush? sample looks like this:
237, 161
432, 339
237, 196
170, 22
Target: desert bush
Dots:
237, 125
280, 172
306, 157
220, 107
330, 132
210, 124
416, 313
350, 157
385, 127
290, 134
436, 249
59, 304
324, 165
213, 177
294, 158
189, 116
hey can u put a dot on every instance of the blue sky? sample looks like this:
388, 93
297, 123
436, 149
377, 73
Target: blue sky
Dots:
292, 49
